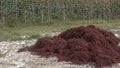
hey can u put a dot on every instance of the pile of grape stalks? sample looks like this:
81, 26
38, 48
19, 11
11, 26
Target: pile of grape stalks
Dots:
80, 45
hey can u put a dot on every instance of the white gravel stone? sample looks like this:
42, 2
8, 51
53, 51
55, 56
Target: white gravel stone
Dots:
12, 59
117, 35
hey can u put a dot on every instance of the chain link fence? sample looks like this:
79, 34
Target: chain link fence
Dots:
17, 12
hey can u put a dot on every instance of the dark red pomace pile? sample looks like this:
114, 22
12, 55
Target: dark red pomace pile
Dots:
80, 45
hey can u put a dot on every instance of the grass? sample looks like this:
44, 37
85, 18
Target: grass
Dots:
35, 31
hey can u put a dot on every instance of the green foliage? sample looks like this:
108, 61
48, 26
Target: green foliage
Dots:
39, 11
8, 6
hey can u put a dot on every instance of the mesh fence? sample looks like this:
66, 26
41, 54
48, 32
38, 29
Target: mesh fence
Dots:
13, 12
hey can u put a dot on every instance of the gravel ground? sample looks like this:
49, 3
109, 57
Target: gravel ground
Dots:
9, 57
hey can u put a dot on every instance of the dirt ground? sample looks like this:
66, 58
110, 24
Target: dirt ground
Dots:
9, 58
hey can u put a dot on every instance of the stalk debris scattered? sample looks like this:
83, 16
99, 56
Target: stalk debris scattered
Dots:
80, 45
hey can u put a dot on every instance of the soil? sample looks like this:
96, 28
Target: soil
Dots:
80, 45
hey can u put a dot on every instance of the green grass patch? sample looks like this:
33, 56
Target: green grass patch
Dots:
34, 31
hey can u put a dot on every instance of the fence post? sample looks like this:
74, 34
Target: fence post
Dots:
33, 11
16, 11
2, 13
64, 12
42, 14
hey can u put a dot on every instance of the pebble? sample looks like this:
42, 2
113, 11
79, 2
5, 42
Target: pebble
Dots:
12, 59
